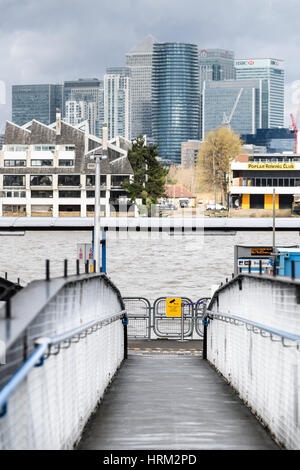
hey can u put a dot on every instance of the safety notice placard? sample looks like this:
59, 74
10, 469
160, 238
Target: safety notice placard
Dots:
173, 307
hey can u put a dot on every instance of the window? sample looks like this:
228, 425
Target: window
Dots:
41, 194
14, 194
17, 148
14, 180
69, 193
92, 194
117, 180
41, 163
286, 182
90, 180
69, 148
11, 163
44, 148
41, 180
292, 182
65, 162
275, 182
68, 180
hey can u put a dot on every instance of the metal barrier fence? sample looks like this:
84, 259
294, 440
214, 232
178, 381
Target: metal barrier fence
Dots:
252, 337
150, 321
65, 340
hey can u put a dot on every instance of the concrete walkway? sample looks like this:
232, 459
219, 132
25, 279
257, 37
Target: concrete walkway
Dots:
172, 402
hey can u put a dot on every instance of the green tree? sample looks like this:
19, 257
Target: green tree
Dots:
220, 147
149, 174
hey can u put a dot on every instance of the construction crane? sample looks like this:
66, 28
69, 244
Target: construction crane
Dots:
294, 127
227, 120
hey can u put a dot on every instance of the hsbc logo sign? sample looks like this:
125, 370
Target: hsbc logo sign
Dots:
250, 62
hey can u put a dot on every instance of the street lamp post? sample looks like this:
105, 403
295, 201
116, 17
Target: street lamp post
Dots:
97, 226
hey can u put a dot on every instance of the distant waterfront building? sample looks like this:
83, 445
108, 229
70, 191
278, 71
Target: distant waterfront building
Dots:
273, 98
1, 140
117, 83
189, 152
274, 140
175, 97
139, 61
36, 102
84, 97
255, 176
45, 171
238, 101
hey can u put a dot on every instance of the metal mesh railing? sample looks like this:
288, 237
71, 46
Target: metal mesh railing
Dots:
258, 351
82, 329
139, 317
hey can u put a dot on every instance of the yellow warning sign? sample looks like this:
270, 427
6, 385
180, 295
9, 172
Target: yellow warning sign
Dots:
173, 307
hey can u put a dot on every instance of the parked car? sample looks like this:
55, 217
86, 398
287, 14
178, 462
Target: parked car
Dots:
215, 207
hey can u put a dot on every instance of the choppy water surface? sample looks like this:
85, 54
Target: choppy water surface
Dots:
161, 265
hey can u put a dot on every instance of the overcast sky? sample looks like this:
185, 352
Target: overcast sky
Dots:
49, 41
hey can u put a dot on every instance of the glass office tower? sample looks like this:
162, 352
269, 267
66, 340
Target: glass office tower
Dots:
271, 70
216, 64
175, 97
36, 102
139, 60
236, 103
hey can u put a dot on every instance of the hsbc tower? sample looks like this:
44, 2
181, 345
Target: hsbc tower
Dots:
271, 74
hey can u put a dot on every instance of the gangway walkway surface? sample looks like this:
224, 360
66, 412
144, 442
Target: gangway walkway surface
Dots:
172, 402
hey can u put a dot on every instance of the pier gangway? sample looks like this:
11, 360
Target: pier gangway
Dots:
72, 378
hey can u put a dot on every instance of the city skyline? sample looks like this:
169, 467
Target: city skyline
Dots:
55, 49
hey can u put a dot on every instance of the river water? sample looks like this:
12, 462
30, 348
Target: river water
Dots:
148, 265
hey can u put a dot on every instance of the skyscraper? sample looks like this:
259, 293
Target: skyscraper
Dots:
117, 83
233, 102
175, 97
272, 71
139, 60
216, 64
37, 102
88, 92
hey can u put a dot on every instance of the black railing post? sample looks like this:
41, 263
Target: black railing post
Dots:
65, 268
86, 267
260, 266
125, 323
293, 269
47, 270
77, 267
205, 323
249, 266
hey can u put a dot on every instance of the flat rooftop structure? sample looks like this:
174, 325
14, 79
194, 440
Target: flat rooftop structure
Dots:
139, 224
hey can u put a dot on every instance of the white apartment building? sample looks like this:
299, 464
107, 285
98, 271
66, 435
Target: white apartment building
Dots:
47, 171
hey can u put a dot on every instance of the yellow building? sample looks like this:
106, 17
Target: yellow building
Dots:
254, 177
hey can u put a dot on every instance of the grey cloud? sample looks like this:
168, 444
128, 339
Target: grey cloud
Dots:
42, 41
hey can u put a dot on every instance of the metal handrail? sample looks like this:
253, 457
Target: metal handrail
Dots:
36, 359
273, 331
